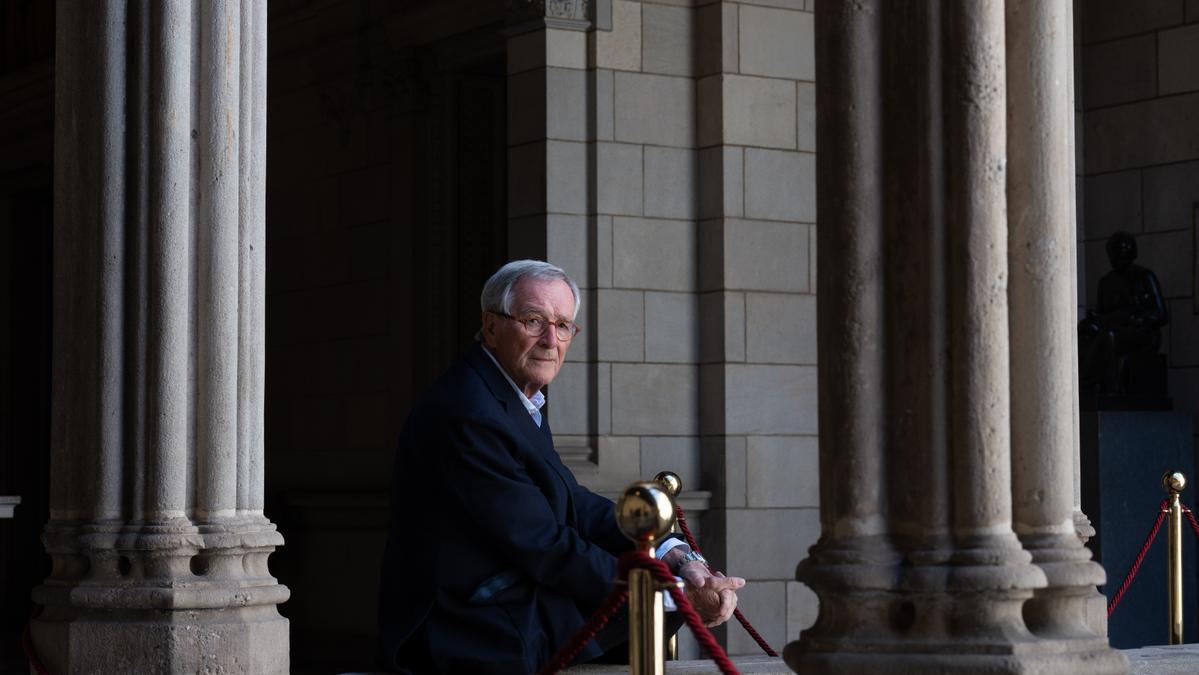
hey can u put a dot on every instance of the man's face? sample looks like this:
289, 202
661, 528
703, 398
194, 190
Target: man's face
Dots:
532, 361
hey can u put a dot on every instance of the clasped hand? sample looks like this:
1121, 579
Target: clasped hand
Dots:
713, 595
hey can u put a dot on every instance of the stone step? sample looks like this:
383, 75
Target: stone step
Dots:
757, 665
1158, 660
750, 665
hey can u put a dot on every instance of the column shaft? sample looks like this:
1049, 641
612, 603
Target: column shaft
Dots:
850, 344
86, 373
975, 209
112, 260
1042, 294
852, 566
218, 276
918, 385
1042, 245
139, 219
252, 273
169, 259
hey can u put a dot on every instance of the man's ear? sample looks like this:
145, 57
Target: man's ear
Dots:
488, 322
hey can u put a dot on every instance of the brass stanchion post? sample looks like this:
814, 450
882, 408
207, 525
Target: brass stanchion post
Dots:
1175, 482
645, 513
673, 485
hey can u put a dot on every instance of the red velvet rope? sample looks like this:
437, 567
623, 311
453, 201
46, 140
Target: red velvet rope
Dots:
27, 644
1191, 518
661, 573
1136, 565
753, 633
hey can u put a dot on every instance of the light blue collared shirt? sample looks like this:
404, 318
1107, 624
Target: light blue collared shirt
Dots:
533, 405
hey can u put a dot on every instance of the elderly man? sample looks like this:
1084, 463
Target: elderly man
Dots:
496, 556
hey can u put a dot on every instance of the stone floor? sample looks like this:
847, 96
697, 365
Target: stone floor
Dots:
1164, 660
749, 665
1161, 660
757, 665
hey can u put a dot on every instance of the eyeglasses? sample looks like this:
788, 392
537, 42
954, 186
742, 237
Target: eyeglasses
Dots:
536, 326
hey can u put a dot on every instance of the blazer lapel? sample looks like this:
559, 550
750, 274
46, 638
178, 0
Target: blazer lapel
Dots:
539, 438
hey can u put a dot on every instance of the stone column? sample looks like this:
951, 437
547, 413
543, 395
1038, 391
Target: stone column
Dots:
919, 568
852, 566
989, 577
1042, 297
157, 533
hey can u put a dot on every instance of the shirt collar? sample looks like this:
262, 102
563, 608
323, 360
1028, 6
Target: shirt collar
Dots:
533, 405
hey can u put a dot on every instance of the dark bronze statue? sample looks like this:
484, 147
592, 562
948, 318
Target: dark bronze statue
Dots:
1119, 340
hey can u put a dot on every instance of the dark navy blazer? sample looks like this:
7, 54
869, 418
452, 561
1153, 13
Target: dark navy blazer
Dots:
495, 555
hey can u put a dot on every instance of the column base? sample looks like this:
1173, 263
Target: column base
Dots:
247, 640
1082, 526
162, 597
1071, 606
854, 579
945, 610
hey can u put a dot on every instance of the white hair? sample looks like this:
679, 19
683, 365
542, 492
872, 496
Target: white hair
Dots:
497, 292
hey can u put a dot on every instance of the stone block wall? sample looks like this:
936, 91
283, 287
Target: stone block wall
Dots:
686, 205
625, 405
1138, 90
645, 278
756, 99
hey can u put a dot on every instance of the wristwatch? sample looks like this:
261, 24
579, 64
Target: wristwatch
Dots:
693, 556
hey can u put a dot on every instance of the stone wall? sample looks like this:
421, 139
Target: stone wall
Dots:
757, 255
1138, 87
673, 169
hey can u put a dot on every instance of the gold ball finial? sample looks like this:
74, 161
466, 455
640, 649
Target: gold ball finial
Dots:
670, 482
644, 512
1174, 481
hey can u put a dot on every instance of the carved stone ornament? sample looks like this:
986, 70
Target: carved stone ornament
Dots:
566, 9
551, 13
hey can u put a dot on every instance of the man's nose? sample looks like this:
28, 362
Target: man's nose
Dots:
549, 337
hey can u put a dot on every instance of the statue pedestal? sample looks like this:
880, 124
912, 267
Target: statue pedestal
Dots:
1144, 385
1124, 454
